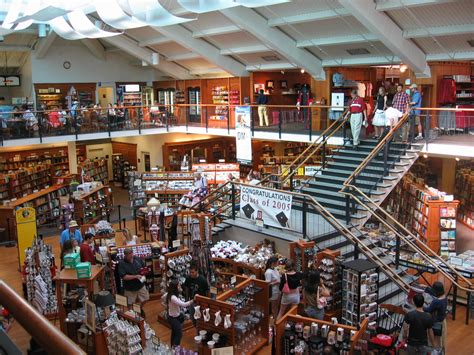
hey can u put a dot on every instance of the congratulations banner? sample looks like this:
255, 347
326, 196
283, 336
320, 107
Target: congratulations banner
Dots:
273, 208
243, 134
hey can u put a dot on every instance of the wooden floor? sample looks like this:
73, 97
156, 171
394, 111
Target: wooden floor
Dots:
460, 336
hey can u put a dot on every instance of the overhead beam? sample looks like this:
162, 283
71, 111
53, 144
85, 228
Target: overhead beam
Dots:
131, 47
439, 31
252, 22
94, 46
154, 41
185, 38
389, 33
451, 56
45, 44
385, 5
216, 31
330, 41
207, 71
308, 17
14, 48
361, 61
184, 56
260, 48
271, 66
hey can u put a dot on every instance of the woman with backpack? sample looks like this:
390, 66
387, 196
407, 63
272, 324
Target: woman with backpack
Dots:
290, 287
314, 296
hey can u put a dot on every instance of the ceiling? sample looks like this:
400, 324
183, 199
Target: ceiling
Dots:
309, 34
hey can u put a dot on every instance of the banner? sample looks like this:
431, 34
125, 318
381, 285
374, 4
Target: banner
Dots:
273, 208
25, 230
243, 134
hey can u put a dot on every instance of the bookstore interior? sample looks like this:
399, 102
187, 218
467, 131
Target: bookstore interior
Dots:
164, 191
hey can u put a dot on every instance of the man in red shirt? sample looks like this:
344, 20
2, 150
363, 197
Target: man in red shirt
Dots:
358, 112
86, 249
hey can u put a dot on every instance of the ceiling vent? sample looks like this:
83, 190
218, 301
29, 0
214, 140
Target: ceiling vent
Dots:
270, 58
357, 51
471, 42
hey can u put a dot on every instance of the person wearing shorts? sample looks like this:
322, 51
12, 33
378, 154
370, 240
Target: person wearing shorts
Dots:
290, 288
415, 102
129, 271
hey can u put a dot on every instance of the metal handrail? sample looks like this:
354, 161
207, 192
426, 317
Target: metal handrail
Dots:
334, 222
47, 335
407, 240
290, 170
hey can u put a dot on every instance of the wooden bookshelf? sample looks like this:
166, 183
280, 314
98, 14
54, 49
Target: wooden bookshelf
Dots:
464, 191
95, 170
94, 205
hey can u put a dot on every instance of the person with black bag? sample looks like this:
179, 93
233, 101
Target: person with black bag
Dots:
438, 309
175, 317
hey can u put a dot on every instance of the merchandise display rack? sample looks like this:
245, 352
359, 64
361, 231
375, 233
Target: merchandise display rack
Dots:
220, 97
95, 170
329, 264
168, 187
93, 206
302, 253
285, 342
117, 168
246, 302
465, 193
360, 286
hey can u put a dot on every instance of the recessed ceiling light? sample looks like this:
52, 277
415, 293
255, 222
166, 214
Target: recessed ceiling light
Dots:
357, 51
302, 71
270, 58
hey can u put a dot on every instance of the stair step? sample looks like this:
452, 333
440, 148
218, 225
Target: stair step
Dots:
338, 180
352, 167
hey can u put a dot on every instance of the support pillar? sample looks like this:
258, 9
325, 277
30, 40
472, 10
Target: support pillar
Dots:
72, 157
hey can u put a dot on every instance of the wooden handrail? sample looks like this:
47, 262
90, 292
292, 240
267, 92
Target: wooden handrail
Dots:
48, 336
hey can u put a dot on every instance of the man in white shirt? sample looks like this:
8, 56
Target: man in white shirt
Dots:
392, 115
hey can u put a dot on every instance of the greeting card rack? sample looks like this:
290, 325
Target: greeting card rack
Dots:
246, 303
351, 335
302, 253
329, 265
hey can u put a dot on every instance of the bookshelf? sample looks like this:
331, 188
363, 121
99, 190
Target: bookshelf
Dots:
464, 191
117, 168
93, 206
95, 170
220, 96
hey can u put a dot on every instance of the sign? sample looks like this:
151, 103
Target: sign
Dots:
121, 300
233, 280
137, 308
273, 207
176, 243
243, 134
337, 101
25, 230
311, 170
11, 80
213, 290
228, 350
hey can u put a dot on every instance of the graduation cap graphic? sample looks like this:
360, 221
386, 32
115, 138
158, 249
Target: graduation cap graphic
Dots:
281, 217
248, 211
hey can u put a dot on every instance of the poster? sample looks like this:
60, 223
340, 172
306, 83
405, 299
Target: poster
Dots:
243, 134
25, 230
273, 208
337, 101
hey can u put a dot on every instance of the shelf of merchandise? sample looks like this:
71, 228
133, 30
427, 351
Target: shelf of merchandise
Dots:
465, 193
360, 285
136, 192
329, 264
464, 89
51, 100
25, 181
286, 336
167, 187
421, 211
220, 96
94, 205
302, 253
95, 170
217, 173
46, 202
132, 98
256, 294
117, 168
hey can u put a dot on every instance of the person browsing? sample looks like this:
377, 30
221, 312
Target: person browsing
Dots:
72, 232
417, 328
86, 252
262, 101
358, 116
129, 270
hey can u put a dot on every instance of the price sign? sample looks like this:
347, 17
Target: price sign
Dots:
121, 300
137, 308
176, 243
233, 280
213, 291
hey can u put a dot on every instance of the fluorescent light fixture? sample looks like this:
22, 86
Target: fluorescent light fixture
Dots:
153, 14
41, 30
112, 14
82, 25
155, 59
63, 29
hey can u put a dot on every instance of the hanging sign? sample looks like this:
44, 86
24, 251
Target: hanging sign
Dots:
271, 207
25, 230
243, 134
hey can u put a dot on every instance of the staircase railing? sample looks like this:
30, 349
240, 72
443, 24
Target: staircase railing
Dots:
47, 335
406, 239
319, 144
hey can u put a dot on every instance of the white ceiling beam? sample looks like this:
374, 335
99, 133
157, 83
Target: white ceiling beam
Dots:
184, 56
330, 41
308, 17
131, 47
14, 48
451, 56
207, 71
94, 46
385, 5
270, 66
216, 31
45, 44
259, 48
389, 33
439, 31
360, 61
154, 41
251, 21
185, 38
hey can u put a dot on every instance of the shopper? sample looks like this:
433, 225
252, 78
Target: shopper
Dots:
438, 309
200, 185
111, 116
290, 287
175, 318
129, 270
87, 254
392, 115
358, 114
314, 296
401, 102
417, 328
415, 103
31, 122
272, 276
195, 283
253, 177
379, 120
262, 101
128, 238
72, 232
66, 249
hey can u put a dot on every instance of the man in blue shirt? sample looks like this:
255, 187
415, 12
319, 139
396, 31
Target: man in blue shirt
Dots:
415, 102
72, 232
